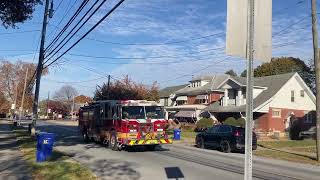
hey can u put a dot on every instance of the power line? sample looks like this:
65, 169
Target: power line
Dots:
55, 51
141, 58
80, 8
54, 12
291, 25
74, 82
148, 44
157, 44
91, 29
199, 70
64, 16
190, 59
299, 2
25, 54
19, 32
17, 50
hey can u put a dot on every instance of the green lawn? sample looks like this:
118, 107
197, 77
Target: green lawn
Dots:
185, 134
296, 151
286, 156
287, 144
59, 166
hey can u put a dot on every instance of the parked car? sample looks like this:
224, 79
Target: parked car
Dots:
311, 133
227, 138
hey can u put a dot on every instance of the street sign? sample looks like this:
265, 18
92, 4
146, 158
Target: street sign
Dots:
13, 106
237, 29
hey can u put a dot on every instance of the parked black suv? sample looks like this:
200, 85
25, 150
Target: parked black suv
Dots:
227, 138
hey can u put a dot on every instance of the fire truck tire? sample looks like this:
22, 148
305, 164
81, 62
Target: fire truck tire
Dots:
113, 142
150, 147
85, 136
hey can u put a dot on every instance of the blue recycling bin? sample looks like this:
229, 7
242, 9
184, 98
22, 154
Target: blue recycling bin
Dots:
176, 134
45, 143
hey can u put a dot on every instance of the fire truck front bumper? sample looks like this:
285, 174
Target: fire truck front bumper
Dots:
148, 142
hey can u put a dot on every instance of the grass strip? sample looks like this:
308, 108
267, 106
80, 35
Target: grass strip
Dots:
281, 155
59, 166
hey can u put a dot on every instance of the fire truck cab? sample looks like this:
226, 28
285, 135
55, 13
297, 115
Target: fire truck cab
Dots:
118, 123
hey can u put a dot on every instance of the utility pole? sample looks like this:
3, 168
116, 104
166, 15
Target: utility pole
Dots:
23, 94
40, 67
249, 95
48, 104
108, 86
15, 101
72, 108
317, 70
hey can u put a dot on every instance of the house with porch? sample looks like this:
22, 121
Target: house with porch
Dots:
167, 95
278, 101
190, 101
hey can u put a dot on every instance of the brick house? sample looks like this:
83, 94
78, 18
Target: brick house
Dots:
278, 100
190, 101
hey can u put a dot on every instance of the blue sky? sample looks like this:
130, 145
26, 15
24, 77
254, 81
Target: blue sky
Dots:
166, 41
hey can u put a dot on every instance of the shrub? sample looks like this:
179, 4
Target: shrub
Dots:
242, 122
235, 122
295, 129
204, 123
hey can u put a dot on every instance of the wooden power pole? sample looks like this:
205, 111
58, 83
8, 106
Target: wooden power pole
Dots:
23, 94
317, 70
39, 68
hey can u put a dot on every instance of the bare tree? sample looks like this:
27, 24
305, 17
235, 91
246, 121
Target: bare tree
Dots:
12, 76
65, 93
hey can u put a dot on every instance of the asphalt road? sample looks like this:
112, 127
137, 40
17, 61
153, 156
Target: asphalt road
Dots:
170, 161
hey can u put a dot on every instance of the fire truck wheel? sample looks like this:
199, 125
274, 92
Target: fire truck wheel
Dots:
150, 147
113, 142
85, 136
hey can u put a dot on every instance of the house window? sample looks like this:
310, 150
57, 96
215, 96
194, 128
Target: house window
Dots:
292, 96
308, 117
276, 113
302, 93
203, 101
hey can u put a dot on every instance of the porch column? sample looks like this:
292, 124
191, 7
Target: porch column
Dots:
239, 98
226, 97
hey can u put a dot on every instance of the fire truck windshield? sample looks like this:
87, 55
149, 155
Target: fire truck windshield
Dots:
133, 112
154, 112
142, 112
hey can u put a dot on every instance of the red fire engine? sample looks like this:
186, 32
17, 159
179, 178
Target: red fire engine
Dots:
118, 123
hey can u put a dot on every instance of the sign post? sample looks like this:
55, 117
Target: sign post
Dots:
249, 32
249, 96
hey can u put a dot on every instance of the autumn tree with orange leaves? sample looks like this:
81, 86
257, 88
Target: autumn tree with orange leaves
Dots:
125, 89
12, 75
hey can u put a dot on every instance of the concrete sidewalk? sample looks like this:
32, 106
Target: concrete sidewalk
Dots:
12, 165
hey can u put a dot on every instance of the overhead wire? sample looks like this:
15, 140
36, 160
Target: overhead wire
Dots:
146, 57
20, 32
54, 41
90, 30
156, 44
62, 43
68, 10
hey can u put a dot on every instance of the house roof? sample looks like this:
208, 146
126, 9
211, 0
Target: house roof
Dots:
170, 90
272, 83
215, 81
199, 78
